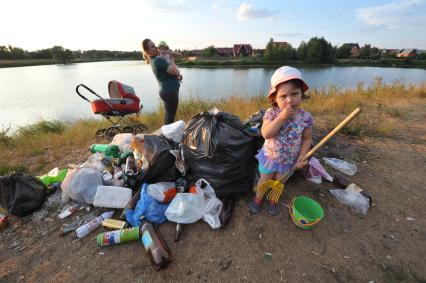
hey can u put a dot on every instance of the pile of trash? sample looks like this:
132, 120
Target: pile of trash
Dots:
181, 173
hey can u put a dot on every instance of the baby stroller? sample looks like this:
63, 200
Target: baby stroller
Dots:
123, 101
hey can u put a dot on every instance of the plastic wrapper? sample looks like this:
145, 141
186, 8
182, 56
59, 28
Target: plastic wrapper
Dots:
174, 131
316, 172
341, 165
217, 148
123, 141
152, 210
80, 184
112, 196
163, 192
161, 162
353, 199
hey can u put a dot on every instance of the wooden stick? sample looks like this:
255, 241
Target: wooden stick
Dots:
322, 142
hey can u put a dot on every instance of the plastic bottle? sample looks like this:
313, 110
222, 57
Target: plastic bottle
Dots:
157, 249
109, 150
84, 230
341, 181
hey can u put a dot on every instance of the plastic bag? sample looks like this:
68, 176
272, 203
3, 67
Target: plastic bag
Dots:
163, 192
21, 194
353, 199
213, 206
217, 148
186, 208
341, 165
123, 141
95, 162
161, 162
316, 172
80, 184
152, 210
174, 131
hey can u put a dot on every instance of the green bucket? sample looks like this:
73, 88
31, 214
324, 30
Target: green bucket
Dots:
305, 212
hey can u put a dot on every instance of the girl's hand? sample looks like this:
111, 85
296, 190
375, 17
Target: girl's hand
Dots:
288, 112
301, 163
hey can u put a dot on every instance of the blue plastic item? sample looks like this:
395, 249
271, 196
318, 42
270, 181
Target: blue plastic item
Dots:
152, 210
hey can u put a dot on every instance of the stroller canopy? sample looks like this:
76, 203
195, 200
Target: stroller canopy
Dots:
119, 90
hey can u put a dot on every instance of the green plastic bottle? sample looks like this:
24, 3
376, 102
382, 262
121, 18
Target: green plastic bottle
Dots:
109, 150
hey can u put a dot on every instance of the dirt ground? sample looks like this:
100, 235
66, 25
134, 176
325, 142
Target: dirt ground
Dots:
386, 245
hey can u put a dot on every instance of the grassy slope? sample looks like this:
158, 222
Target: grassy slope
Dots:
382, 106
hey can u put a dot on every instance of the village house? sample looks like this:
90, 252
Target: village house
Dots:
242, 50
225, 51
389, 52
355, 50
407, 53
280, 43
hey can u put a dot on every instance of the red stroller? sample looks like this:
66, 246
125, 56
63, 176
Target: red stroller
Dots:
123, 101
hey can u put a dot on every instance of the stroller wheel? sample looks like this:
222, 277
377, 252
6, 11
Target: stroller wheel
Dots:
128, 129
140, 129
111, 132
100, 133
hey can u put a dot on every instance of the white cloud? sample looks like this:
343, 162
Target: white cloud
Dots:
397, 14
164, 6
246, 11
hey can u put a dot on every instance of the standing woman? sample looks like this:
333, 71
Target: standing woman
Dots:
167, 76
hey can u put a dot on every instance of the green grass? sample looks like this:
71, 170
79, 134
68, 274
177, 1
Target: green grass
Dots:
383, 106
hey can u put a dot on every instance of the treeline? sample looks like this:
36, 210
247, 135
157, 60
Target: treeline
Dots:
65, 55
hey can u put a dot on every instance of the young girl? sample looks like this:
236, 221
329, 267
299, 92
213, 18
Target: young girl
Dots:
287, 130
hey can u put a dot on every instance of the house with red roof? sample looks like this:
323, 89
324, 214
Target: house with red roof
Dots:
242, 50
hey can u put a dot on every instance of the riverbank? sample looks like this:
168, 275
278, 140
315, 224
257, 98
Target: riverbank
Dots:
387, 142
37, 62
238, 62
382, 104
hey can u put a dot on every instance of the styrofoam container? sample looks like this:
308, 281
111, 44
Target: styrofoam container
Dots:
112, 196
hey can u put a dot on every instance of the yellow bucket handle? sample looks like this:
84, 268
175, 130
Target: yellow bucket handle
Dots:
294, 220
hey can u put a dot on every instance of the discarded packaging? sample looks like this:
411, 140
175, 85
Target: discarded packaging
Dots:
67, 212
114, 224
84, 230
53, 176
179, 229
174, 131
112, 197
358, 202
118, 236
341, 165
163, 192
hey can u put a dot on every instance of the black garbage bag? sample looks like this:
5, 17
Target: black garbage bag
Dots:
21, 193
161, 162
217, 148
254, 125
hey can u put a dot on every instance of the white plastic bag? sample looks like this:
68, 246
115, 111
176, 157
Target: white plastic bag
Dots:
174, 131
213, 205
341, 165
123, 141
112, 197
80, 184
162, 192
95, 162
316, 172
186, 208
355, 200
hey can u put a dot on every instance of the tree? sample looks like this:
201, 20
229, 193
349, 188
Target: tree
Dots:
319, 50
365, 52
343, 52
302, 50
61, 54
209, 51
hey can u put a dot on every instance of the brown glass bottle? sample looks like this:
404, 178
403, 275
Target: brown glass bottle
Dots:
156, 247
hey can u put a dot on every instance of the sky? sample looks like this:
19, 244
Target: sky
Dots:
191, 24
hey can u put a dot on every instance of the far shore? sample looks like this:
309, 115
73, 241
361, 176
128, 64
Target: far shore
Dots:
247, 62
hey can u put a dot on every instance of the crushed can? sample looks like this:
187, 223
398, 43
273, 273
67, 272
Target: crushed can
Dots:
114, 224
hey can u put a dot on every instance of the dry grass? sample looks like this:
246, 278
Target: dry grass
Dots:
382, 105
